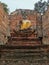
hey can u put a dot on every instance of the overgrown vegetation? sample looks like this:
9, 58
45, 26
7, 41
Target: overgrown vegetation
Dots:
5, 6
41, 6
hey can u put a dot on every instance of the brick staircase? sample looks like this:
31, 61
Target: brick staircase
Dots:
16, 40
24, 51
26, 56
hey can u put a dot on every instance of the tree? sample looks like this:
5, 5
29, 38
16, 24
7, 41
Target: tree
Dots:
5, 7
40, 6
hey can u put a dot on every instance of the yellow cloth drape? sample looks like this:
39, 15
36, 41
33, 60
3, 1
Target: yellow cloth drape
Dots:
25, 24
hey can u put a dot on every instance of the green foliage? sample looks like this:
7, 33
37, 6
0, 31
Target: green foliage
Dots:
5, 7
40, 6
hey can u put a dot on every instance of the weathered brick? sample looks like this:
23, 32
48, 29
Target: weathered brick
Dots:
4, 25
45, 29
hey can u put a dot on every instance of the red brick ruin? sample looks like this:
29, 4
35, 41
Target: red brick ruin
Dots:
24, 47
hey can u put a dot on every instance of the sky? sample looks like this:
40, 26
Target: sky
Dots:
20, 4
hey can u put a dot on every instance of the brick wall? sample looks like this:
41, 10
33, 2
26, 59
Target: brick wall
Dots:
4, 28
17, 16
46, 27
